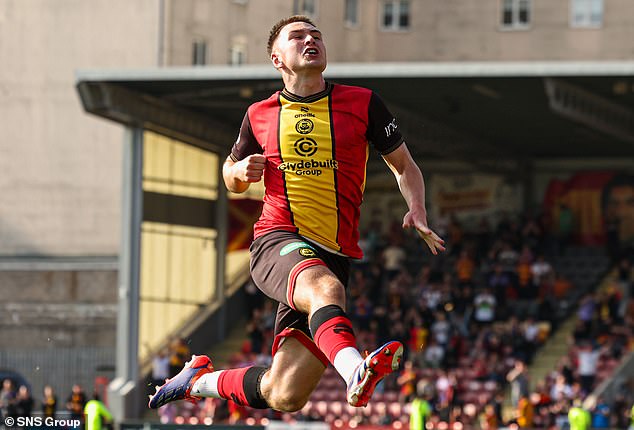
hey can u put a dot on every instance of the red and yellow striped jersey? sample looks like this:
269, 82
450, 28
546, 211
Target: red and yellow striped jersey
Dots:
316, 149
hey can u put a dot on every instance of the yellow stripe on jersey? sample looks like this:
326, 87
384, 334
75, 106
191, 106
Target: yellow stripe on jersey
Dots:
306, 150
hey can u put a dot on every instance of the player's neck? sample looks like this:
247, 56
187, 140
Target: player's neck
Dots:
304, 86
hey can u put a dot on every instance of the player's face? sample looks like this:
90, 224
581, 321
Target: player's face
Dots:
299, 46
621, 202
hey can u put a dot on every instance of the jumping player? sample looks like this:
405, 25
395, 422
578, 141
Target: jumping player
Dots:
310, 143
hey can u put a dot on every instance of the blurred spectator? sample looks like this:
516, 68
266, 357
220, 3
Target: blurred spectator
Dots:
76, 402
531, 338
525, 412
488, 418
160, 369
508, 257
421, 409
407, 382
561, 286
578, 417
7, 399
445, 390
585, 312
255, 333
484, 305
465, 268
561, 390
23, 402
393, 259
434, 354
565, 226
532, 234
500, 283
601, 414
49, 402
179, 354
441, 328
518, 378
96, 413
540, 270
588, 360
454, 236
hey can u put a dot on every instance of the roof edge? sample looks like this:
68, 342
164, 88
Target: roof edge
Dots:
371, 70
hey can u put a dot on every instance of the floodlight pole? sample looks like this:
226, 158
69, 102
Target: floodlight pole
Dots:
123, 390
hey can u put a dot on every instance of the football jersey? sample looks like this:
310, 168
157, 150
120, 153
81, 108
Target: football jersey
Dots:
317, 149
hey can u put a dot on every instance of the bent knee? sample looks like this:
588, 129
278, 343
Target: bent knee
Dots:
287, 401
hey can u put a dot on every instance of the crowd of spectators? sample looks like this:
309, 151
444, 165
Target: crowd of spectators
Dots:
474, 315
18, 403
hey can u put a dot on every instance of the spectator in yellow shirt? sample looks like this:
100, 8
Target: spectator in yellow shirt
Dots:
96, 413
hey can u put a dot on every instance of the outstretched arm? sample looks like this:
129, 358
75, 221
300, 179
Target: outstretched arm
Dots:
410, 182
238, 175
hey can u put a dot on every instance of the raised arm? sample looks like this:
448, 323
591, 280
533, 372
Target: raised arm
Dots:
410, 182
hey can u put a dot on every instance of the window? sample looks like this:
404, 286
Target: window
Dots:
238, 54
395, 15
305, 7
586, 13
199, 52
516, 13
351, 14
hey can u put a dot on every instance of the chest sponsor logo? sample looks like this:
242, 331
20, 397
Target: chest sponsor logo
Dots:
304, 126
305, 147
310, 167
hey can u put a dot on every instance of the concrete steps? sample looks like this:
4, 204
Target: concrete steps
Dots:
551, 352
221, 354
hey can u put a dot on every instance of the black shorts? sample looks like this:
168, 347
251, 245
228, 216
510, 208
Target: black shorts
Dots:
276, 260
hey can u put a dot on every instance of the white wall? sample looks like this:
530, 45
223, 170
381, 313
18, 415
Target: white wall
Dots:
60, 169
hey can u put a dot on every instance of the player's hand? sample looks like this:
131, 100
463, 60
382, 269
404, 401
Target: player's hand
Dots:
251, 168
433, 241
419, 222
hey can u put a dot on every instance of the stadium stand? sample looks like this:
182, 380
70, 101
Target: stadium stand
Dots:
467, 318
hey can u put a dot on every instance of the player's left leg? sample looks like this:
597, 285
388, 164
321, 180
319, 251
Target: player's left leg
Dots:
295, 371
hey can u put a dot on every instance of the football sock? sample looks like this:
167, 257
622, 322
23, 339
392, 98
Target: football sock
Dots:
241, 385
207, 385
333, 334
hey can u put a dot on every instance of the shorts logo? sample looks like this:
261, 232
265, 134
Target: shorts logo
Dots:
304, 126
306, 252
306, 147
293, 246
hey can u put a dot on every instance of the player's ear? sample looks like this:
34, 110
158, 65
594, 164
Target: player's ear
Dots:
276, 60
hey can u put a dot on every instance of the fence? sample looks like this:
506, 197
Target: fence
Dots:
60, 368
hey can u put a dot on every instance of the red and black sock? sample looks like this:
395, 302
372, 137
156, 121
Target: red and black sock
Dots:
332, 330
243, 386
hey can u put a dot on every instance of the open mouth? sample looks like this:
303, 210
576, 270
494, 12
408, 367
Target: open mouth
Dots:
311, 51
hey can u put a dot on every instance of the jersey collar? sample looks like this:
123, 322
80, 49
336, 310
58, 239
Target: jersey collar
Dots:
308, 99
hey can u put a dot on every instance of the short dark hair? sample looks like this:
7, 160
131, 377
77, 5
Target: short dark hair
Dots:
275, 31
620, 179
